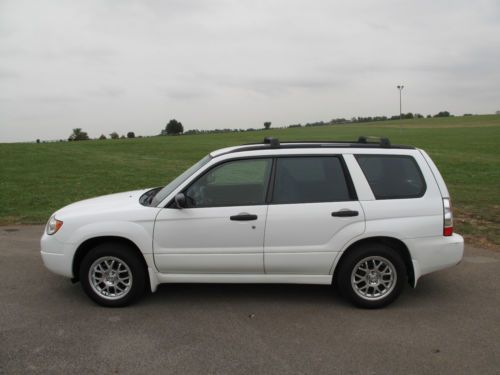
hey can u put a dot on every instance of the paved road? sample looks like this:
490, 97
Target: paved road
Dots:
449, 324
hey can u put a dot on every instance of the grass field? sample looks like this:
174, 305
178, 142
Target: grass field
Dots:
37, 179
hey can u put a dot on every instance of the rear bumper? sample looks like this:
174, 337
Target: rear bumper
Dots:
431, 254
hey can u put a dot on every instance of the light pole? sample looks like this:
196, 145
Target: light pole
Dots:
400, 88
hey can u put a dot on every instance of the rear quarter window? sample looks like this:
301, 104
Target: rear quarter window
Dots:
392, 176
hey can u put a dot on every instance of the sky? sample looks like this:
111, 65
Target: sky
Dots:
125, 65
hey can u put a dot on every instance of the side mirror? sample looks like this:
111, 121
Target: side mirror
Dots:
180, 200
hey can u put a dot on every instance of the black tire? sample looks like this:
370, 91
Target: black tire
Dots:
128, 258
373, 253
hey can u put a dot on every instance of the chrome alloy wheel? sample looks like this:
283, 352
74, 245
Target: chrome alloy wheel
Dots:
373, 278
110, 277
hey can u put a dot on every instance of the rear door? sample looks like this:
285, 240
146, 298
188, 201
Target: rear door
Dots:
313, 213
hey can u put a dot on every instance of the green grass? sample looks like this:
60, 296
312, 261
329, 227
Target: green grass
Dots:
37, 179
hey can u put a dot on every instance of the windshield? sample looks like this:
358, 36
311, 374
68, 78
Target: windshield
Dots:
167, 190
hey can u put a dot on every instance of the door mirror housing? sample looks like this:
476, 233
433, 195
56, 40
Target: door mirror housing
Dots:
180, 201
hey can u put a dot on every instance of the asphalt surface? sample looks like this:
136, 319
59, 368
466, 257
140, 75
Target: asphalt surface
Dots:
449, 324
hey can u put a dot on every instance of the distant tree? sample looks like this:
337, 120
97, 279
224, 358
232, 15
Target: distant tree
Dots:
130, 135
78, 135
343, 120
418, 115
102, 136
173, 127
37, 141
122, 137
114, 135
267, 124
192, 132
429, 116
443, 114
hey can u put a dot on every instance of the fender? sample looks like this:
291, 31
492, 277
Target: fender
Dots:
139, 233
367, 235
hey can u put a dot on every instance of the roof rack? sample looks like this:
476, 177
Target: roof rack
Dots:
383, 142
363, 140
274, 143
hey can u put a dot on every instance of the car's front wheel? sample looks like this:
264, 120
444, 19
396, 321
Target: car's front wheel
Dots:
112, 275
372, 275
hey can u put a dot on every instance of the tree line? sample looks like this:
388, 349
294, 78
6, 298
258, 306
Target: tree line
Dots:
79, 135
335, 121
174, 127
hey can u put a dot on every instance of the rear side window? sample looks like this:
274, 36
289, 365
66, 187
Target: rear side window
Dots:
310, 179
392, 176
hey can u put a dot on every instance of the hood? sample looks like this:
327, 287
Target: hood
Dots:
103, 204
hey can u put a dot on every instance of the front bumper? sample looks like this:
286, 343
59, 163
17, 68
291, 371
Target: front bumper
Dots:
57, 256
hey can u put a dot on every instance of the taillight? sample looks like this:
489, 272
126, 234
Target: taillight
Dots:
448, 217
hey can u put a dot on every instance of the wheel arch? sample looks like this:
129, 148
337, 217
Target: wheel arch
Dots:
87, 245
392, 242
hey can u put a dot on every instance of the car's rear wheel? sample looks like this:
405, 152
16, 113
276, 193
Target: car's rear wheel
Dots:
113, 275
372, 275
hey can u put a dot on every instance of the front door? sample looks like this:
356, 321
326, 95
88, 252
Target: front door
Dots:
222, 228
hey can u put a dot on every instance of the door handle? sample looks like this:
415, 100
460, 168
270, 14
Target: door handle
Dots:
243, 217
345, 213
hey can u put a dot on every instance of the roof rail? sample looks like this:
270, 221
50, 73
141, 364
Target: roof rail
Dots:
383, 142
380, 141
273, 142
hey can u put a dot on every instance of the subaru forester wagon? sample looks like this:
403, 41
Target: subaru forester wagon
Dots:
366, 216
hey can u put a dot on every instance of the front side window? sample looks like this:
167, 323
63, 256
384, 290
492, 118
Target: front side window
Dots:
392, 176
310, 179
167, 190
235, 183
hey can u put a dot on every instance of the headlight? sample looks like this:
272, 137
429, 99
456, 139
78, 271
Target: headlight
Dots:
53, 225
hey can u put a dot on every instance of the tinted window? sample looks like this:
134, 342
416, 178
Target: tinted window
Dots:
167, 190
235, 183
310, 179
392, 176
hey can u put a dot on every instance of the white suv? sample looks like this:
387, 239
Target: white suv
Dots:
366, 216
